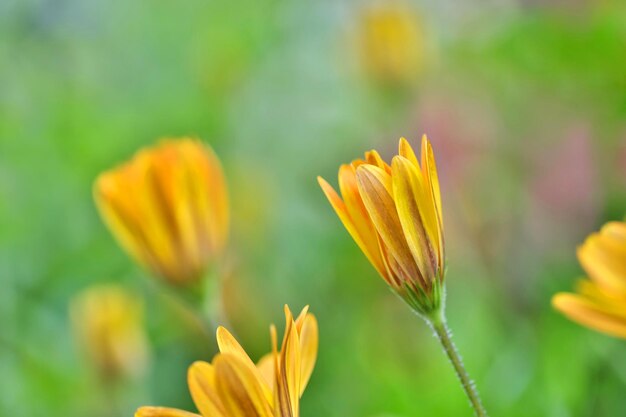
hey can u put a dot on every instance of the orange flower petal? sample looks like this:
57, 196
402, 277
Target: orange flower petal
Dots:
342, 212
239, 388
265, 365
121, 218
412, 205
590, 314
405, 150
163, 412
229, 345
613, 302
202, 385
309, 341
358, 213
373, 157
210, 192
616, 230
376, 190
605, 263
429, 168
290, 360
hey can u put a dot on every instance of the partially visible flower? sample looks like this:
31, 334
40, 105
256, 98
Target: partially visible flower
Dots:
394, 215
233, 386
168, 207
108, 323
392, 43
600, 302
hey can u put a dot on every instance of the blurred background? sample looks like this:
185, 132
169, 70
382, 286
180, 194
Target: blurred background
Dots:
523, 100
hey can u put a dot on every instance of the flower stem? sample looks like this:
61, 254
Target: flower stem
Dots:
212, 303
442, 331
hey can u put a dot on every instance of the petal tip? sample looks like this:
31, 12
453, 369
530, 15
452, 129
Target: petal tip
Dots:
221, 331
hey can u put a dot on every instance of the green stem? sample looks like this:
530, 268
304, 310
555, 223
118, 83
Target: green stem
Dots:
442, 331
212, 304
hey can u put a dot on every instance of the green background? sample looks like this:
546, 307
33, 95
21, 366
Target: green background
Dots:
524, 102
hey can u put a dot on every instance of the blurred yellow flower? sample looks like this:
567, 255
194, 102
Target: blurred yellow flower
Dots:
108, 323
394, 215
234, 386
168, 207
392, 43
600, 302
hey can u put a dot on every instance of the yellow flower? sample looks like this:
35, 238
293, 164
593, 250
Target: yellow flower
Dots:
600, 302
168, 207
394, 215
234, 386
392, 43
108, 323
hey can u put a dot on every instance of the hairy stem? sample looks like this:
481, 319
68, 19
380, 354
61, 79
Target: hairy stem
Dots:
442, 332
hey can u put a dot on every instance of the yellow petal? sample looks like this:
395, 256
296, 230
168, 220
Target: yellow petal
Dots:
309, 340
342, 212
604, 263
358, 214
357, 163
429, 168
430, 202
590, 314
282, 408
392, 267
239, 388
405, 150
376, 190
612, 302
208, 186
121, 218
172, 175
228, 344
373, 157
301, 317
612, 241
163, 412
615, 230
288, 375
155, 214
265, 365
202, 385
414, 212
292, 360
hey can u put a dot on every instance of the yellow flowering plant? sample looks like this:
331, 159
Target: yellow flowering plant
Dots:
232, 385
168, 208
108, 324
600, 301
392, 43
394, 214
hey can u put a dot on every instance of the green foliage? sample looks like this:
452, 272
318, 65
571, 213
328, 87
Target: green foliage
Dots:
271, 85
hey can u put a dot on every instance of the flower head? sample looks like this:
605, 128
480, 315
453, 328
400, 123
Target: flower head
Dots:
232, 385
600, 302
168, 207
392, 43
394, 215
108, 323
